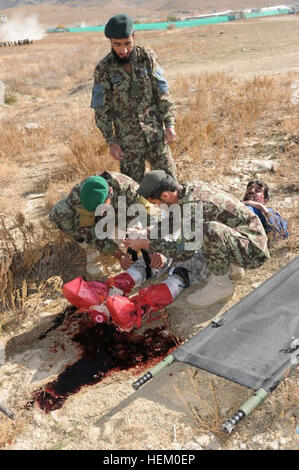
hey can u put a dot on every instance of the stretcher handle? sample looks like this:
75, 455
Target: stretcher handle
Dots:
154, 371
142, 380
245, 410
7, 412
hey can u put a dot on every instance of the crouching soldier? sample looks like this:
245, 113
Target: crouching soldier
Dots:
233, 237
75, 215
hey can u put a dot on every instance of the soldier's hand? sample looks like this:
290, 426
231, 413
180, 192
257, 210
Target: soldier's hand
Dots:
116, 152
157, 260
125, 261
137, 244
170, 135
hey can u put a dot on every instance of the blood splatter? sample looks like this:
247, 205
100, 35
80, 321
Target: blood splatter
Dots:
103, 350
59, 320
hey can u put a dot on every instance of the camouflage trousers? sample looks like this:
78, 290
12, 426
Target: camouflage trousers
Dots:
223, 245
196, 266
159, 157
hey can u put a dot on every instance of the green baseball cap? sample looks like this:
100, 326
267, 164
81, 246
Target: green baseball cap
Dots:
119, 27
94, 192
150, 182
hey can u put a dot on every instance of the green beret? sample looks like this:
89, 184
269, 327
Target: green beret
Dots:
94, 192
119, 27
150, 182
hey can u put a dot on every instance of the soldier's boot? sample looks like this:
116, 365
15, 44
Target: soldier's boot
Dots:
94, 267
236, 272
218, 289
128, 313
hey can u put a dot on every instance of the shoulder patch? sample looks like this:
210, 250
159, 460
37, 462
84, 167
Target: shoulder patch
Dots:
161, 81
98, 95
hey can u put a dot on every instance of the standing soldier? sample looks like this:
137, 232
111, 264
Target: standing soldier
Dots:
131, 101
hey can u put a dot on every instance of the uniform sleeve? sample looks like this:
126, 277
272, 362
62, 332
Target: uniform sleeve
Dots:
101, 103
174, 249
171, 245
164, 103
106, 246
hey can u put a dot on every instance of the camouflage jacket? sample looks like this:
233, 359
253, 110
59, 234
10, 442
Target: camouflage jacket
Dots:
217, 205
122, 185
133, 103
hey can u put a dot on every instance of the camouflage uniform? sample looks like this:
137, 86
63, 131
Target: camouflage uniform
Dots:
132, 110
66, 217
232, 233
196, 266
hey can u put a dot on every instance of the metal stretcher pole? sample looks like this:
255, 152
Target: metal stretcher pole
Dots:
167, 361
268, 386
245, 410
7, 412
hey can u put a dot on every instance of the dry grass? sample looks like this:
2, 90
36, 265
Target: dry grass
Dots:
56, 191
35, 259
215, 114
88, 152
208, 420
9, 430
218, 112
10, 171
206, 401
16, 140
219, 117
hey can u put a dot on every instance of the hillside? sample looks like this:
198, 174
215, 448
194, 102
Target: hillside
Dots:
52, 12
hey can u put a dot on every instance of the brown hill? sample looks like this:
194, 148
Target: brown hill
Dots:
52, 13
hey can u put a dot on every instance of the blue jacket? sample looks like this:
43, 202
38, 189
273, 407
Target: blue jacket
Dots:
275, 223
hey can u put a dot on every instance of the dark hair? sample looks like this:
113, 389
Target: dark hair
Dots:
262, 185
167, 184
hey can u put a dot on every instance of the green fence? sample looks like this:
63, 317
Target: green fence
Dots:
255, 14
161, 25
177, 24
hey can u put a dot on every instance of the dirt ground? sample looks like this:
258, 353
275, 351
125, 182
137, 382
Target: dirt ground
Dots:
182, 408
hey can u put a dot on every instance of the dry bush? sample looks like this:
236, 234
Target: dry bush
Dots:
210, 420
50, 70
9, 430
34, 260
15, 140
89, 152
9, 171
56, 191
5, 200
216, 112
277, 410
